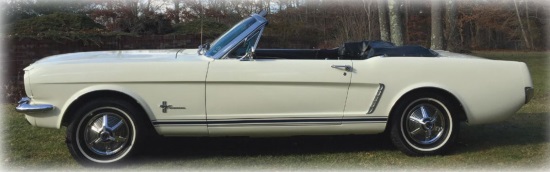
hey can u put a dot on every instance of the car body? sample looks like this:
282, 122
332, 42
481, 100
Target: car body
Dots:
109, 100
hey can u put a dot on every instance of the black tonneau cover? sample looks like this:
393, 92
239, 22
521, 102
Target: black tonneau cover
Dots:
351, 50
402, 51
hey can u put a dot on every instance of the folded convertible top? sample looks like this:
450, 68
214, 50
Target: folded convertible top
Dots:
368, 49
402, 51
349, 50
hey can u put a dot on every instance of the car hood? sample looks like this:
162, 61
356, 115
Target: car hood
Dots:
122, 56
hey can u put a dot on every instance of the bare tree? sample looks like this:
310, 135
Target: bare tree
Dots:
176, 11
452, 36
367, 8
383, 20
396, 24
437, 26
528, 24
521, 26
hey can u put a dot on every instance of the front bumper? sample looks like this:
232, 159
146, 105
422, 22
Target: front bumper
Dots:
25, 107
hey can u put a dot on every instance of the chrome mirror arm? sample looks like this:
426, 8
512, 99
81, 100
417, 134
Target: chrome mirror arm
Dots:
249, 56
203, 48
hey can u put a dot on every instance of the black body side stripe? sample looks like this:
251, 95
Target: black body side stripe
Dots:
251, 121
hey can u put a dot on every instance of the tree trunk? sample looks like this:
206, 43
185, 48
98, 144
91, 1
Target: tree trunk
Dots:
148, 8
368, 12
396, 25
268, 8
177, 11
452, 40
437, 26
521, 26
528, 25
407, 7
383, 21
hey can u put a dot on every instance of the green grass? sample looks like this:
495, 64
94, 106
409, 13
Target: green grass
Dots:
520, 142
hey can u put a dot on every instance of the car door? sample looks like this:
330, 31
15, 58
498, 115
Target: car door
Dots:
268, 92
176, 98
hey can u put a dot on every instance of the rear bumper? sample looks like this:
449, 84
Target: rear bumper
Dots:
25, 107
529, 93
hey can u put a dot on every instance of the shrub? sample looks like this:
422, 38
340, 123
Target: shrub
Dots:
56, 22
211, 28
13, 92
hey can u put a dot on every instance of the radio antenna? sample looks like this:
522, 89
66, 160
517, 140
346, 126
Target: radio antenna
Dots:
201, 16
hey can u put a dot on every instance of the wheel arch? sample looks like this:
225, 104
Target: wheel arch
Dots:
85, 95
451, 97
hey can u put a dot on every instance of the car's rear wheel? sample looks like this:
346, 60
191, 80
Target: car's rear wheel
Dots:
424, 124
105, 131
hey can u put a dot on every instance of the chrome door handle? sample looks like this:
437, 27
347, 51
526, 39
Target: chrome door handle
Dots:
346, 67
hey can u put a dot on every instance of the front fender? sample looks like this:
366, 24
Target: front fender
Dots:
104, 87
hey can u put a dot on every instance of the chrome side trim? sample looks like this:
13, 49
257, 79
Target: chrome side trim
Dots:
25, 107
376, 98
273, 121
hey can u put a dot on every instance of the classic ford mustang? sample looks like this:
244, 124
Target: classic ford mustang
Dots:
112, 102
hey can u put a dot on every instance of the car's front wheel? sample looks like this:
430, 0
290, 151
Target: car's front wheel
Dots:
424, 124
104, 131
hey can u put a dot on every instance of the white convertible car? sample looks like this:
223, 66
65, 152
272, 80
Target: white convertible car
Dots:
112, 102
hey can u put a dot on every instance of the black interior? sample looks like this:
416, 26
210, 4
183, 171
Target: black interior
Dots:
351, 50
296, 53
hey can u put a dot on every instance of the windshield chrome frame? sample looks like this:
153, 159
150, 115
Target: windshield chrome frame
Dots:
259, 24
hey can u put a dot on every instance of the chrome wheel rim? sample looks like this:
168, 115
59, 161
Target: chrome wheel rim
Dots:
425, 124
106, 133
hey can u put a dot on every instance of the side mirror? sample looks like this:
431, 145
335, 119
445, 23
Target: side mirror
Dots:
203, 48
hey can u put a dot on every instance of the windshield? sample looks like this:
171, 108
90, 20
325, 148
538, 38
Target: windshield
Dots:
230, 35
244, 47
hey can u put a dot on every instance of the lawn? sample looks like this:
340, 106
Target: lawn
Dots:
520, 142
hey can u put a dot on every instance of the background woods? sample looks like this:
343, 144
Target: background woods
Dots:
452, 24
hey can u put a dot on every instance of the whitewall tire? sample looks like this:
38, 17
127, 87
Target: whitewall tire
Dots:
424, 124
105, 131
